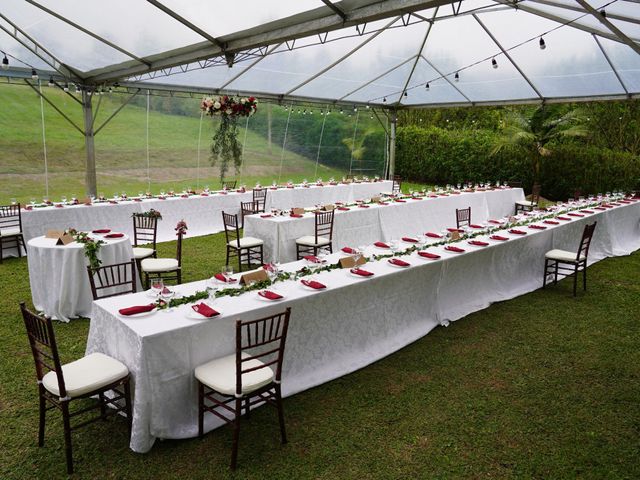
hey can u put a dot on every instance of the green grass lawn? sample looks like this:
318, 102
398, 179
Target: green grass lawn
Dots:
543, 386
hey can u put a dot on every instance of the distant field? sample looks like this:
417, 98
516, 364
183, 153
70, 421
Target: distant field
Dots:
121, 154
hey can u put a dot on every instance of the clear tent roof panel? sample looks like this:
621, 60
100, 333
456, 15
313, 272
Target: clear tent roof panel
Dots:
626, 62
440, 90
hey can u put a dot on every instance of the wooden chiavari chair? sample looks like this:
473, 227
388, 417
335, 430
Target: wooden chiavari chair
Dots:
111, 280
247, 248
463, 217
165, 268
322, 238
229, 184
529, 205
11, 229
260, 199
248, 208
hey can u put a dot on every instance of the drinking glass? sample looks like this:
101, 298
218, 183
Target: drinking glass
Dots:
157, 285
394, 244
64, 200
14, 201
32, 201
227, 271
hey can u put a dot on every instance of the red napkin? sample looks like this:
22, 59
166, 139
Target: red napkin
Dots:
398, 262
59, 205
273, 188
339, 203
499, 238
222, 278
455, 230
563, 218
443, 194
473, 225
204, 309
184, 196
451, 248
113, 202
495, 222
348, 250
538, 227
517, 232
344, 209
268, 294
455, 193
290, 186
101, 230
361, 272
623, 201
312, 258
137, 309
409, 240
381, 245
573, 214
383, 203
114, 235
588, 211
599, 208
416, 198
431, 256
363, 206
221, 193
162, 198
268, 215
313, 284
296, 215
433, 196
204, 194
137, 199
478, 243
551, 222
433, 235
400, 200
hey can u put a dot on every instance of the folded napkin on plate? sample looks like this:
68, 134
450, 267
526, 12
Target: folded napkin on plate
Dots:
223, 278
599, 208
59, 205
431, 256
268, 294
473, 225
313, 284
499, 238
515, 231
455, 230
361, 272
184, 196
538, 227
455, 193
290, 186
204, 194
222, 193
495, 222
114, 235
381, 245
433, 196
363, 206
162, 198
451, 248
409, 240
383, 203
573, 214
296, 215
268, 215
587, 211
563, 218
204, 309
624, 201
312, 259
399, 200
478, 243
273, 188
348, 250
344, 209
551, 222
416, 198
113, 202
137, 309
398, 262
433, 235
101, 230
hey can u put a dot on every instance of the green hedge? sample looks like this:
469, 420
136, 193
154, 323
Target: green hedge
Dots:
437, 156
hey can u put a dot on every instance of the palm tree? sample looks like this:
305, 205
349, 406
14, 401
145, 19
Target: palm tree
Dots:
357, 147
533, 133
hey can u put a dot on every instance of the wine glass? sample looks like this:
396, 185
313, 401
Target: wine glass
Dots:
167, 294
157, 285
32, 201
14, 201
64, 200
227, 271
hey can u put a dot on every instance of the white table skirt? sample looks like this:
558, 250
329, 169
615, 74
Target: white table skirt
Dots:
353, 323
58, 275
203, 214
362, 226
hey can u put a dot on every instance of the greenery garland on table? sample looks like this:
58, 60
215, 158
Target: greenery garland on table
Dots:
151, 213
91, 246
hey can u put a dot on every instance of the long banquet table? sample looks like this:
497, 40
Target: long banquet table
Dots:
202, 213
362, 226
351, 324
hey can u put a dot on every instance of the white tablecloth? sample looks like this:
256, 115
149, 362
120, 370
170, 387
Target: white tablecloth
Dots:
361, 226
334, 332
202, 213
58, 275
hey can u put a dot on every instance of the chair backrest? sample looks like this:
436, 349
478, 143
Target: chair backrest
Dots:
42, 340
231, 229
397, 184
577, 194
585, 242
535, 193
229, 184
10, 217
264, 340
463, 216
514, 184
249, 208
324, 224
260, 198
111, 280
145, 229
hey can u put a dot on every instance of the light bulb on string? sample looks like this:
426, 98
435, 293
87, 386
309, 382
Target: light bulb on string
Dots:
406, 94
5, 62
66, 87
51, 84
457, 77
384, 100
543, 45
34, 74
494, 63
427, 87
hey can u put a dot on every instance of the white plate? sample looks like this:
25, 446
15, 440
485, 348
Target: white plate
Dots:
260, 297
149, 293
140, 315
397, 266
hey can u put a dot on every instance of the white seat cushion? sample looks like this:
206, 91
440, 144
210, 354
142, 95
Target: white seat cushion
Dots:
9, 232
220, 375
310, 240
159, 265
86, 375
526, 203
140, 252
247, 242
562, 255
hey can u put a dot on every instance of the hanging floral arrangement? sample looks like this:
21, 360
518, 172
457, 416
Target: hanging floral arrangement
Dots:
225, 141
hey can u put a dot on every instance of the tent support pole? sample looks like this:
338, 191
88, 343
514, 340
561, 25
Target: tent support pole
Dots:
90, 181
392, 144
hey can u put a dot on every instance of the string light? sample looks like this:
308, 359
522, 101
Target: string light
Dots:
427, 87
457, 77
384, 100
355, 109
34, 74
5, 62
341, 111
51, 84
543, 45
494, 63
66, 87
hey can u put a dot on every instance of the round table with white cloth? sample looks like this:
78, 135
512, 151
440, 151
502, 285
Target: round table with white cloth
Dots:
58, 274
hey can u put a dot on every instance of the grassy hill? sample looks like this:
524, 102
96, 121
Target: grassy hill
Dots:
121, 151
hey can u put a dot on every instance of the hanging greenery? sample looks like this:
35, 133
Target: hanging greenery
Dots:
226, 146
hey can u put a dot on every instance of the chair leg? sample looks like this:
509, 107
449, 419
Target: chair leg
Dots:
179, 275
283, 432
240, 260
544, 277
555, 275
584, 277
43, 413
200, 410
67, 436
261, 255
236, 433
575, 281
1, 250
103, 408
247, 410
20, 244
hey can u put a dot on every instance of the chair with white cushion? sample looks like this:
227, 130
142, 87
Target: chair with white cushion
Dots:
570, 263
246, 249
529, 205
323, 237
164, 268
11, 229
59, 385
145, 229
248, 377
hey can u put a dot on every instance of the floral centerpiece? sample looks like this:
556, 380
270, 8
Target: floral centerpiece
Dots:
225, 141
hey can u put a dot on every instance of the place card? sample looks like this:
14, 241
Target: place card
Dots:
329, 207
297, 211
54, 234
455, 235
257, 276
85, 201
376, 199
64, 240
350, 262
